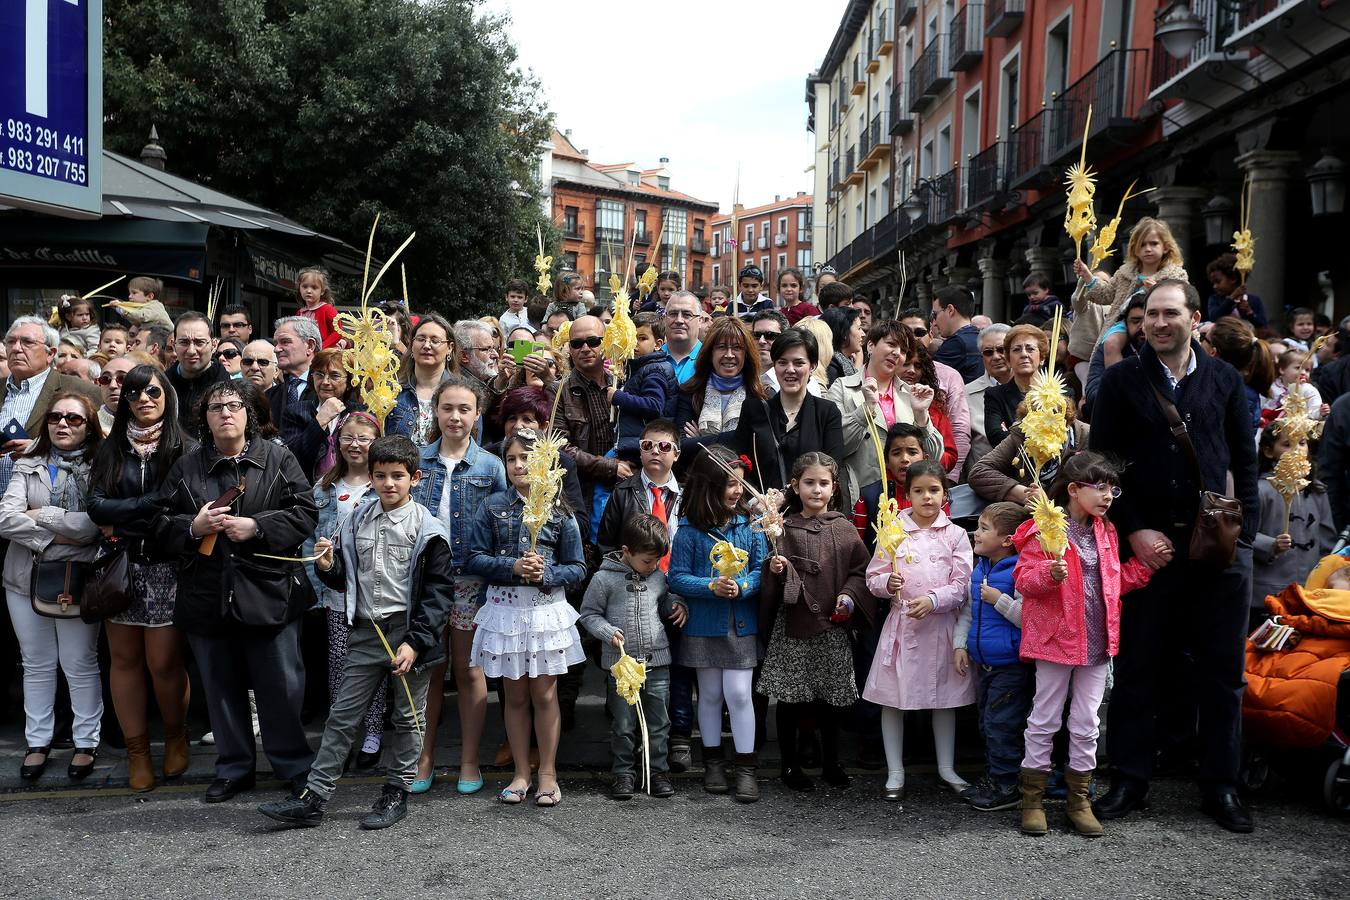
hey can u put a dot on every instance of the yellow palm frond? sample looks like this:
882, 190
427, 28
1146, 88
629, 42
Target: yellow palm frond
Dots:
1052, 526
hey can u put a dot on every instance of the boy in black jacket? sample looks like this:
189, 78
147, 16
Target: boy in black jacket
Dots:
392, 560
650, 389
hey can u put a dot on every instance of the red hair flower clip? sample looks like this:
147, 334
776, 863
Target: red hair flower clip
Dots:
745, 461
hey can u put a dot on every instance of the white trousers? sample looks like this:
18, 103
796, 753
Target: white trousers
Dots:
44, 644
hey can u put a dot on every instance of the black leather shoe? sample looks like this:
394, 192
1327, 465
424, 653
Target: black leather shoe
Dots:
1126, 795
661, 785
623, 787
305, 811
389, 809
797, 779
223, 789
1225, 807
366, 760
79, 773
33, 773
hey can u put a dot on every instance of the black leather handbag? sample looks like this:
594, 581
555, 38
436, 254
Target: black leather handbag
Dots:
57, 586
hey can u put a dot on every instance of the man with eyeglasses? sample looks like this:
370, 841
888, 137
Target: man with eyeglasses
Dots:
259, 364
765, 327
682, 318
996, 372
480, 360
234, 323
952, 308
196, 369
585, 413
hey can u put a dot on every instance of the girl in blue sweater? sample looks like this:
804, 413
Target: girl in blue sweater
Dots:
720, 637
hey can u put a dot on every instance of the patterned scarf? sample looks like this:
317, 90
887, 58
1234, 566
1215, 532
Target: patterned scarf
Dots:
145, 441
70, 478
722, 401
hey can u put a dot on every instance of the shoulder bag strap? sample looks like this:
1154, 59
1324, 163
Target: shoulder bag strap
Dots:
1179, 432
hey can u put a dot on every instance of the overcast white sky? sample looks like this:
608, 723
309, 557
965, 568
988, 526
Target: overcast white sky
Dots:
708, 83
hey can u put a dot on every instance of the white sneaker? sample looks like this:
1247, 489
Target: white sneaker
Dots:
208, 739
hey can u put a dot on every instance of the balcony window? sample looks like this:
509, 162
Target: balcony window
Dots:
571, 228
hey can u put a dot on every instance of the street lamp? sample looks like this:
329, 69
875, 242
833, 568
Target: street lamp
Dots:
1326, 180
914, 206
1179, 29
1219, 220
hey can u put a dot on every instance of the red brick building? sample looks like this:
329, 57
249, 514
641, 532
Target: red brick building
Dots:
775, 236
597, 207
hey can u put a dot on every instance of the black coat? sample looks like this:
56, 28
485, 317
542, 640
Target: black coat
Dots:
294, 420
233, 586
762, 435
1158, 490
190, 391
1333, 379
131, 507
1333, 459
961, 351
1000, 410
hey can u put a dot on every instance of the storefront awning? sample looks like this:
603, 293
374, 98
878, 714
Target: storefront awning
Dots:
162, 249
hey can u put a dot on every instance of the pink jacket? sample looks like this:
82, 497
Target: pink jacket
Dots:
1054, 619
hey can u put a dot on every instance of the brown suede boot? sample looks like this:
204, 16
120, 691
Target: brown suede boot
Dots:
140, 768
747, 788
1078, 807
175, 749
1033, 808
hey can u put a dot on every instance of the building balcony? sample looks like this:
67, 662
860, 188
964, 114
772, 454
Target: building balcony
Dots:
853, 174
746, 246
859, 88
1255, 15
905, 11
573, 234
764, 243
1003, 17
929, 74
1115, 89
642, 239
698, 244
834, 175
1026, 163
780, 240
985, 176
902, 121
608, 235
879, 141
1171, 77
943, 197
966, 40
886, 31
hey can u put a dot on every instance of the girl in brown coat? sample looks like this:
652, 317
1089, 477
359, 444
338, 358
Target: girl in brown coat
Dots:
812, 586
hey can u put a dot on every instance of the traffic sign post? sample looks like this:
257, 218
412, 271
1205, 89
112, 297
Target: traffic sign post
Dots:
51, 106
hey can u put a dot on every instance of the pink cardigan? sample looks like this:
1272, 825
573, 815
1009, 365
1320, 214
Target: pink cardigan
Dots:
1054, 619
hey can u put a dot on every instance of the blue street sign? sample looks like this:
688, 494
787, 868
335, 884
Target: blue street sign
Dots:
51, 105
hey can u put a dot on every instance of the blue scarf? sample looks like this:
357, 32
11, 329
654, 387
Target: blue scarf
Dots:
725, 385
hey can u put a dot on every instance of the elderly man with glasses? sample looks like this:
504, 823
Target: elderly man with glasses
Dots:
683, 316
259, 364
480, 360
994, 357
25, 395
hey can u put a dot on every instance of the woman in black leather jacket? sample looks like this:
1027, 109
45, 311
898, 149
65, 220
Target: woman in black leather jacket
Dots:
143, 444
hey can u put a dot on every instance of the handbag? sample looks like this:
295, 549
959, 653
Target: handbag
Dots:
57, 586
1218, 521
107, 591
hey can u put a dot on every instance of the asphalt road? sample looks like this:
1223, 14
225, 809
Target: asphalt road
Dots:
826, 844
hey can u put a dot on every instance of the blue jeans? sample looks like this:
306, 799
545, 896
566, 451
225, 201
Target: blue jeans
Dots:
1005, 699
681, 706
624, 734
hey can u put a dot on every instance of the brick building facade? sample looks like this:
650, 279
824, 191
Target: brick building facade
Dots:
775, 236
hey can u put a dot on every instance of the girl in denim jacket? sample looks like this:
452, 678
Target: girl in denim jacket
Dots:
720, 637
527, 632
457, 477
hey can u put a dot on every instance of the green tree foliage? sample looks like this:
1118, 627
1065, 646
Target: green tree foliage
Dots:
331, 111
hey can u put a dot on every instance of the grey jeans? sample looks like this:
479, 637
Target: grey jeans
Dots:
365, 671
625, 737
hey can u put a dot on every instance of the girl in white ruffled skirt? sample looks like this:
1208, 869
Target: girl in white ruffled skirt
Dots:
526, 630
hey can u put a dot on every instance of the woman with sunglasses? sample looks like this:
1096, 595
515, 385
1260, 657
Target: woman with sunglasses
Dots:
228, 352
42, 516
431, 357
143, 444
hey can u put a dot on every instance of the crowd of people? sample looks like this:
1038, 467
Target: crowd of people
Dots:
236, 483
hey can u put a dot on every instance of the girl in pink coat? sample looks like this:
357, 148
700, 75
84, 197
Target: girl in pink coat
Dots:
1070, 630
915, 666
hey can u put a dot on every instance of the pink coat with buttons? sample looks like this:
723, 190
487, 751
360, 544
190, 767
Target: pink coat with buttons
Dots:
1054, 617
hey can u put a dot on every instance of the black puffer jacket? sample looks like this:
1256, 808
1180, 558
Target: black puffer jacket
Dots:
131, 507
233, 586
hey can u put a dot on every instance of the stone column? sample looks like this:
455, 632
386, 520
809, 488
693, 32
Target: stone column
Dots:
1270, 171
994, 303
1179, 208
1046, 261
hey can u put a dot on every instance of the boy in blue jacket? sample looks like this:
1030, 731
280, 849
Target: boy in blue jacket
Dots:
989, 635
650, 389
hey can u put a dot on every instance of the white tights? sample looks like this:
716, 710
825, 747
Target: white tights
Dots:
944, 743
733, 686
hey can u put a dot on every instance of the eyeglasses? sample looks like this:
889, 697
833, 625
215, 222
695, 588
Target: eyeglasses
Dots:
233, 406
1112, 489
153, 391
261, 362
108, 378
578, 343
491, 351
329, 376
192, 342
231, 353
27, 343
353, 440
428, 341
56, 418
663, 446
768, 336
1024, 350
993, 351
681, 314
920, 332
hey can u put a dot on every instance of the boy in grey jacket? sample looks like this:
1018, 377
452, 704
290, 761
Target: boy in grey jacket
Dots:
623, 608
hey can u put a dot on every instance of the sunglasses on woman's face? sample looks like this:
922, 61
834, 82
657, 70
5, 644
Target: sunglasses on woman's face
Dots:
153, 391
230, 353
578, 343
108, 378
920, 332
56, 418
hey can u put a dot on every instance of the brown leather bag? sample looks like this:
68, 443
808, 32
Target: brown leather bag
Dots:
1218, 521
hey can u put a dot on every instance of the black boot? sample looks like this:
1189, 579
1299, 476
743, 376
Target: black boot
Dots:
305, 810
389, 809
747, 788
1126, 795
714, 770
